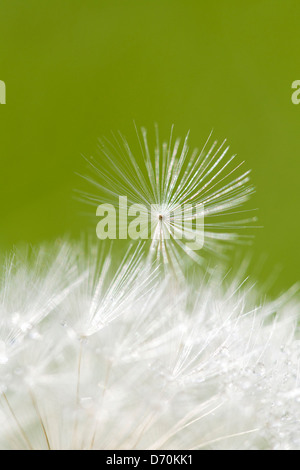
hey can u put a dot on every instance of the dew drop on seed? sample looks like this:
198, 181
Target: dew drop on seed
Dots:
15, 318
3, 353
86, 402
260, 369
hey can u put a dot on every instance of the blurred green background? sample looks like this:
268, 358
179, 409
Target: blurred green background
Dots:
75, 70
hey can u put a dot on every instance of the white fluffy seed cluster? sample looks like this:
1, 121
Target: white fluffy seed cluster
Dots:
96, 354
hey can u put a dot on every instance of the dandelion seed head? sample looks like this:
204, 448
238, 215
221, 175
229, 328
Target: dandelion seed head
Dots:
162, 365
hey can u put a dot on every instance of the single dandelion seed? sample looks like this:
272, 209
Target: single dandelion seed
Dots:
193, 199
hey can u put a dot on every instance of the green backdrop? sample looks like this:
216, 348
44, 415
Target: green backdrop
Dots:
74, 70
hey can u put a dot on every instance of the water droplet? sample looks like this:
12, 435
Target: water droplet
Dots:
3, 353
260, 369
15, 318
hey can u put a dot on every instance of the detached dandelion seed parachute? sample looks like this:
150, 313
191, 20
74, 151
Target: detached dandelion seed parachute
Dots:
178, 188
106, 351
